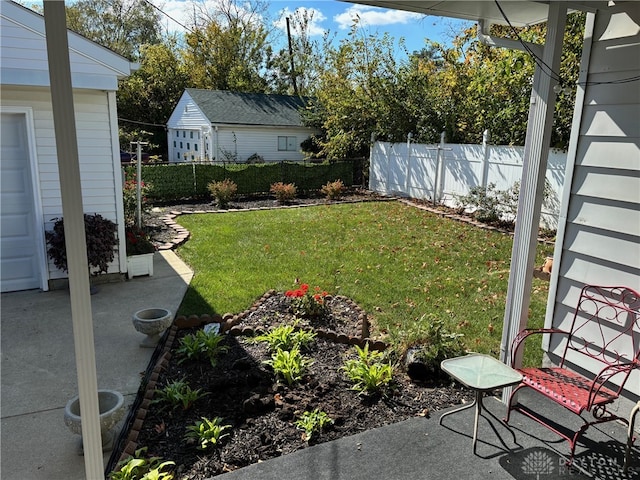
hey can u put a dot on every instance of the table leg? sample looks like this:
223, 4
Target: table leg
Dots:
478, 402
465, 407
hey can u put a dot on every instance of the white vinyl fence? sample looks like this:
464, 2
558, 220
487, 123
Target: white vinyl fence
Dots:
443, 172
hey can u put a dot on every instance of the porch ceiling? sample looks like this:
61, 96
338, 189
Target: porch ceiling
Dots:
519, 12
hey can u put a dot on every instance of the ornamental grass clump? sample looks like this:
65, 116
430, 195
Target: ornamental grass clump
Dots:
307, 304
284, 192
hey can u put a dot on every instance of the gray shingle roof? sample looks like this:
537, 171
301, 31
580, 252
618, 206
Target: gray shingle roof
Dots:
248, 108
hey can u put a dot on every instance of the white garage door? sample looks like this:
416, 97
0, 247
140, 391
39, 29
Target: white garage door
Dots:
19, 267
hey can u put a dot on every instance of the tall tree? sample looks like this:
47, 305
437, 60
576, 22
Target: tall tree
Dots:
227, 47
150, 94
120, 25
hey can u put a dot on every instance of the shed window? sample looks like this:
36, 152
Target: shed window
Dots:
195, 145
184, 133
191, 134
188, 146
180, 144
287, 144
174, 144
177, 133
178, 155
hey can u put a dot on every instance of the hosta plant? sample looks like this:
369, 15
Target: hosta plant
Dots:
289, 364
313, 422
206, 432
201, 345
286, 337
139, 467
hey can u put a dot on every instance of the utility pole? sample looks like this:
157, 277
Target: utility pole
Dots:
293, 70
139, 181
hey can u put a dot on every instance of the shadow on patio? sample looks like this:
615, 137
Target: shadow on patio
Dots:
420, 448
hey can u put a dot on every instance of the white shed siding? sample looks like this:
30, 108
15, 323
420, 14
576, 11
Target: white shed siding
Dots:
97, 169
261, 140
185, 119
601, 243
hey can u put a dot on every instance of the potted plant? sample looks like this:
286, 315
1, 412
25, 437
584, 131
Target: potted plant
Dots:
101, 240
140, 251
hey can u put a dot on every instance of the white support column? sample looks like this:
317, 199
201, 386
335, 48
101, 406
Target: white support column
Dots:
72, 209
485, 158
536, 155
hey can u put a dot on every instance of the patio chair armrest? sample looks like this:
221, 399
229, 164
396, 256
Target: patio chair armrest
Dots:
606, 374
519, 339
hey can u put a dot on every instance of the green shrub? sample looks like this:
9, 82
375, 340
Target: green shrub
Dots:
485, 203
368, 373
206, 432
284, 192
223, 191
437, 344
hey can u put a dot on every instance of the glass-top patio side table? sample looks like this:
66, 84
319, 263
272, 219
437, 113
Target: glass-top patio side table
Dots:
480, 373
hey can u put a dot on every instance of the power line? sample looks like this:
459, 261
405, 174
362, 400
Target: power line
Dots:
549, 71
169, 16
141, 123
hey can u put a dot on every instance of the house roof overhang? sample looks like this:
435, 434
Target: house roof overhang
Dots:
519, 12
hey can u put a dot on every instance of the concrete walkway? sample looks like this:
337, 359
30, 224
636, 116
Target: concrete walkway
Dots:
39, 371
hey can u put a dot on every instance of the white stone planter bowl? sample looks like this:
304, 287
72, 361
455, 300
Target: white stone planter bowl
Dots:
152, 322
111, 409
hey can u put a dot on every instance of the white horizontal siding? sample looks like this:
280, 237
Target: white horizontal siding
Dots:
94, 148
24, 54
601, 243
187, 115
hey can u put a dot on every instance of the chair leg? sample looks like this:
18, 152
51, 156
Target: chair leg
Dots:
510, 402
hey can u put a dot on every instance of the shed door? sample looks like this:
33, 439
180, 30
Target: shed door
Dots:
19, 266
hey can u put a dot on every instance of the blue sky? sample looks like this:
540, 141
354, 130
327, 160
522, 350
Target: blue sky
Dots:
337, 17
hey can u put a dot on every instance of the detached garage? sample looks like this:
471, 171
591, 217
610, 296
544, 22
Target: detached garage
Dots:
30, 195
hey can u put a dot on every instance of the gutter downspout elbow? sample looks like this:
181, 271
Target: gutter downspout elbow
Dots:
485, 38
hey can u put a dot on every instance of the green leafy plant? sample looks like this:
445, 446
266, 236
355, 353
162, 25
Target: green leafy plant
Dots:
202, 344
333, 190
101, 240
437, 344
368, 372
178, 393
284, 192
286, 337
307, 304
313, 422
140, 468
137, 241
223, 191
289, 364
206, 432
485, 203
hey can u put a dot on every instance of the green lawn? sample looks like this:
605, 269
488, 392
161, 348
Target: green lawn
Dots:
397, 262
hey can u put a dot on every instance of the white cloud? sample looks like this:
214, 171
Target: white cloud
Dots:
373, 16
315, 27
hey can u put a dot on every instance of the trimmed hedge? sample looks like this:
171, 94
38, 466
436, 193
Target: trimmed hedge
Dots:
181, 181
